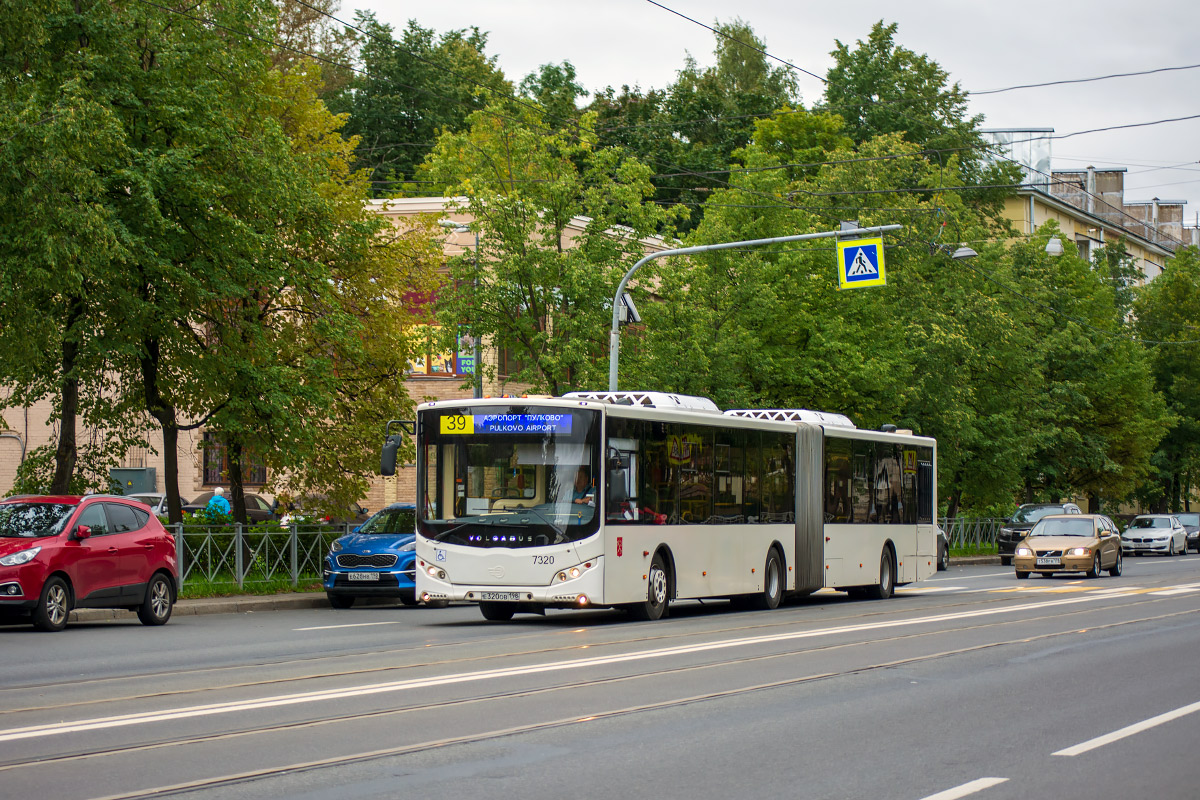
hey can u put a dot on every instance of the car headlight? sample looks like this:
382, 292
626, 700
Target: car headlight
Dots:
408, 548
1078, 551
19, 558
1024, 551
336, 547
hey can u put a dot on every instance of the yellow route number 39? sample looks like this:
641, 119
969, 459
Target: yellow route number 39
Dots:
458, 423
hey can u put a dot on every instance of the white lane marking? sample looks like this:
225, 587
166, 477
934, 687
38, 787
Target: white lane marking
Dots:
350, 625
1183, 588
966, 789
100, 723
929, 589
1129, 730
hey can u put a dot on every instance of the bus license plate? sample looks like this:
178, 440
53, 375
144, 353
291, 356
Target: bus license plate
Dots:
1049, 562
363, 576
508, 597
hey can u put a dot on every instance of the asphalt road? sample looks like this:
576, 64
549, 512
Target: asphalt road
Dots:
971, 684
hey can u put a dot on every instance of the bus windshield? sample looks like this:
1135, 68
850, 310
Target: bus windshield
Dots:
515, 476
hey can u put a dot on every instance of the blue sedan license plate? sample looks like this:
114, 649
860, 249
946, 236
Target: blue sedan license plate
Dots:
363, 576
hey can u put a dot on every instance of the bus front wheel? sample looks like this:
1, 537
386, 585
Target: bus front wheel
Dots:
497, 612
657, 593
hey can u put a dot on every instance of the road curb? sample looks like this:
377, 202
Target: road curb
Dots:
248, 604
241, 604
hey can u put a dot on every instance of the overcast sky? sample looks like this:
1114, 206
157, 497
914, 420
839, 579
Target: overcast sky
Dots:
981, 45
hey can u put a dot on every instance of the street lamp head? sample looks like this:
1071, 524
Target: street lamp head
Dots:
963, 253
457, 227
1054, 247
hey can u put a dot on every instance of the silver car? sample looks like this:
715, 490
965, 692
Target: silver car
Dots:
1154, 533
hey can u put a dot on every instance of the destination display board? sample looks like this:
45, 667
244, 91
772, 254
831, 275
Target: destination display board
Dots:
505, 423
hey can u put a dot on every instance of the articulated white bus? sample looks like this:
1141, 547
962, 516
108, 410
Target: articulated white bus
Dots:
635, 499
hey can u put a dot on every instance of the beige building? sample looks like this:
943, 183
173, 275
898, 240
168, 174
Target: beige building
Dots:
1089, 204
434, 375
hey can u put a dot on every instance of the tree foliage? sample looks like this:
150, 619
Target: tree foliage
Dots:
559, 219
409, 91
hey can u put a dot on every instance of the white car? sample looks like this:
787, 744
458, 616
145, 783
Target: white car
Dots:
1154, 533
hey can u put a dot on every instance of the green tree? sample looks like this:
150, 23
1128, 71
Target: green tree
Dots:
414, 88
689, 131
553, 87
1168, 314
212, 233
558, 219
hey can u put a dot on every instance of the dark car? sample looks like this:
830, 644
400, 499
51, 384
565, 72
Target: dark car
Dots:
1015, 528
156, 501
258, 508
377, 560
316, 509
1191, 524
58, 553
943, 547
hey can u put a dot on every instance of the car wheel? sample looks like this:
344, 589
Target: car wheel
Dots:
1022, 575
1005, 561
1118, 566
340, 600
943, 559
772, 592
657, 593
54, 606
497, 612
157, 604
409, 599
887, 578
1095, 570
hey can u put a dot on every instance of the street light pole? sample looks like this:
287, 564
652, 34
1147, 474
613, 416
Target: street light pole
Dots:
614, 335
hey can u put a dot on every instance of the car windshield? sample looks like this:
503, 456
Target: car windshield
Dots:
33, 520
1034, 513
391, 521
1151, 522
1190, 519
1064, 527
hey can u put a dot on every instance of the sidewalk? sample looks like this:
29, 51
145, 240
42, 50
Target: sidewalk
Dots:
248, 603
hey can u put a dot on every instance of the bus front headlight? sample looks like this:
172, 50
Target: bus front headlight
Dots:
574, 572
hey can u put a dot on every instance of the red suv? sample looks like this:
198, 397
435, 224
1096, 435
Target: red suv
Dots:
59, 553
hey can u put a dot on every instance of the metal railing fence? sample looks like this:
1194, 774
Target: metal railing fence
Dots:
240, 555
971, 532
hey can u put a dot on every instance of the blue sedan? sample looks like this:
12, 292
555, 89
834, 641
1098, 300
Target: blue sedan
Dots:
375, 561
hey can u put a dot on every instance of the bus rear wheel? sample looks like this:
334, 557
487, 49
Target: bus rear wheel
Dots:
772, 593
657, 593
497, 612
887, 578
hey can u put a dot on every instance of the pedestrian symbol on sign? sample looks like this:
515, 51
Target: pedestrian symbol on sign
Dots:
860, 263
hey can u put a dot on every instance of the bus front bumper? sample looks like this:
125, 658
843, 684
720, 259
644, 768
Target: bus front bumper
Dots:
583, 591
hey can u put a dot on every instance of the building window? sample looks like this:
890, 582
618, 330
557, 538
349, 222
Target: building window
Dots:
430, 357
216, 463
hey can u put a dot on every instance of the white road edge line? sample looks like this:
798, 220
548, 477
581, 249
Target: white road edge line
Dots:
966, 789
1129, 730
349, 625
412, 684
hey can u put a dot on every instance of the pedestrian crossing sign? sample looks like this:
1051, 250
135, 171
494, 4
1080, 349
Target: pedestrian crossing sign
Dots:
860, 263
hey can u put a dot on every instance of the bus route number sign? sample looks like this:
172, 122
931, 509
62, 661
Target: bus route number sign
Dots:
458, 423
